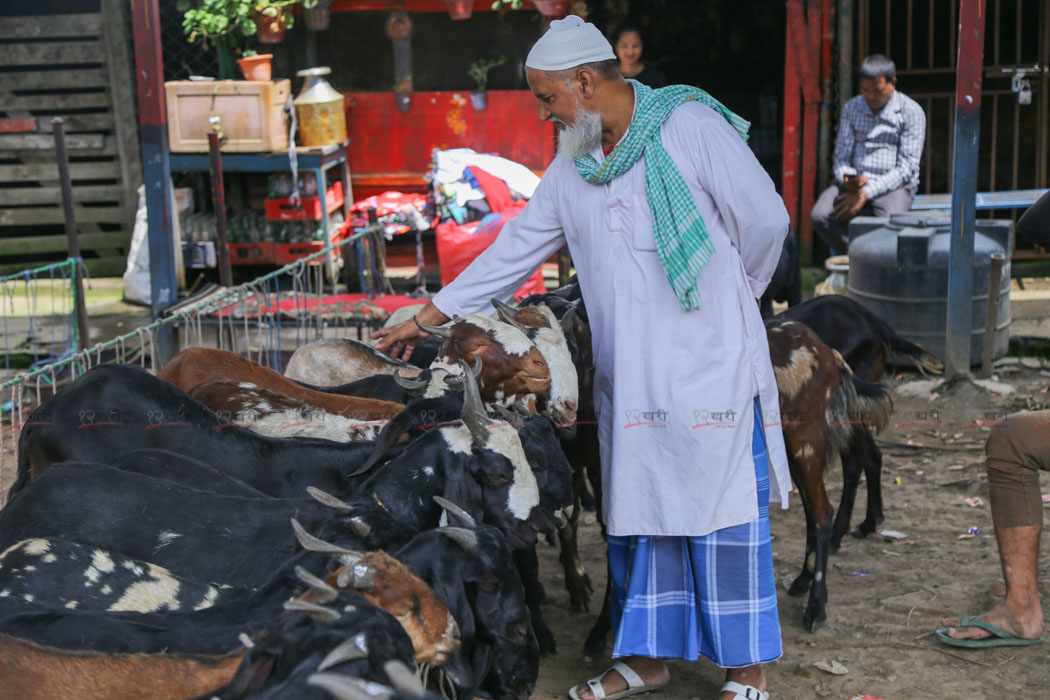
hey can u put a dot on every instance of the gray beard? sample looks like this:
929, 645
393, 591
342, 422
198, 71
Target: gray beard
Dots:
581, 137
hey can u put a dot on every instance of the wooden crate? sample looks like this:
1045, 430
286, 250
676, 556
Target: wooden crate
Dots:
252, 113
77, 66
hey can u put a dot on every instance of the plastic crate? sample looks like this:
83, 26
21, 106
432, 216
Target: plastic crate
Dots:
253, 253
307, 208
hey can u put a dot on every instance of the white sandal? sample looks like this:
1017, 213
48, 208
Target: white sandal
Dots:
635, 684
744, 692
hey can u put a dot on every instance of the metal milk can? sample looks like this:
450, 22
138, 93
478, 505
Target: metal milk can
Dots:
319, 109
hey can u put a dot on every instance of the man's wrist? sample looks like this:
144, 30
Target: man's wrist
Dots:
431, 315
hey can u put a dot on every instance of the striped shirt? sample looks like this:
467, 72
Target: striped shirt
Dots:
883, 147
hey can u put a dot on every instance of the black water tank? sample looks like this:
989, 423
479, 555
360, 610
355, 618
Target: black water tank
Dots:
898, 268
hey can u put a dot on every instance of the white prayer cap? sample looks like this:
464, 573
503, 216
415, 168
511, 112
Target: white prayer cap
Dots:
569, 42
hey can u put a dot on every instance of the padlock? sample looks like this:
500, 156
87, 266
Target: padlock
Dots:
1024, 95
1017, 81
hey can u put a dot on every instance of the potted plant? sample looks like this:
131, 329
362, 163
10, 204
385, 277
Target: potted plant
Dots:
318, 14
218, 23
551, 8
255, 66
479, 71
271, 19
504, 5
459, 9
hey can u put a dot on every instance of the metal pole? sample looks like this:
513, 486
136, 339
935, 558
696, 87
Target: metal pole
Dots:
218, 201
964, 185
156, 168
83, 336
995, 281
845, 39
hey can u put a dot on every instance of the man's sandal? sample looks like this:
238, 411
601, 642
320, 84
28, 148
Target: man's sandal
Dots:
635, 684
744, 692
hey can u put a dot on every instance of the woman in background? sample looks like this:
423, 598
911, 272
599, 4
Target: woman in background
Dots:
627, 42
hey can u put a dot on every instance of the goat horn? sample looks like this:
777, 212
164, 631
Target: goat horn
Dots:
361, 577
467, 539
473, 414
454, 511
354, 648
321, 590
346, 688
327, 499
409, 384
457, 318
509, 315
435, 330
403, 679
360, 527
315, 544
316, 612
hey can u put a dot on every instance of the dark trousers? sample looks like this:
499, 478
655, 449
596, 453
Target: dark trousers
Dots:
834, 232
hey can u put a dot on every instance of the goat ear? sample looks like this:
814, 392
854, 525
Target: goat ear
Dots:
460, 672
255, 668
460, 488
481, 661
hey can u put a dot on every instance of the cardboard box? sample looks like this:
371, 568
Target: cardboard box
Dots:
252, 114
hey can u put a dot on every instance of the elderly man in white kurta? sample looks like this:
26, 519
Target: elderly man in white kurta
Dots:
675, 230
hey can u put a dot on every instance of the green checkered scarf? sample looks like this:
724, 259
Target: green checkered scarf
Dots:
681, 237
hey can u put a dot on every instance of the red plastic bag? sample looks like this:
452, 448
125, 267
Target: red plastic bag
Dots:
457, 246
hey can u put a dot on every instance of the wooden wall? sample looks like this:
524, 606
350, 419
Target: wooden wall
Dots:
77, 66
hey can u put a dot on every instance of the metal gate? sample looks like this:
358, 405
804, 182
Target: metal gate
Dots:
920, 36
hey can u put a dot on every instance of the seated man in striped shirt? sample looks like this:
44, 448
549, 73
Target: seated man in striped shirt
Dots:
877, 151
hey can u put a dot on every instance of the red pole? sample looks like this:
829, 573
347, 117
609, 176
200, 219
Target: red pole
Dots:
810, 122
792, 116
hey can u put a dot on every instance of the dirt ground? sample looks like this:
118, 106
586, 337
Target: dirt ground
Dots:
885, 596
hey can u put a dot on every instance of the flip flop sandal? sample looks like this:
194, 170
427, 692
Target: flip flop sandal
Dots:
635, 684
744, 692
999, 638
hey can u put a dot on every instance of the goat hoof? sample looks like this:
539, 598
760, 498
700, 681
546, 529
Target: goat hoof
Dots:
815, 623
547, 644
800, 586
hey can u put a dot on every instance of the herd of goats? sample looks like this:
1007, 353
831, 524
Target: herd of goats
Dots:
358, 527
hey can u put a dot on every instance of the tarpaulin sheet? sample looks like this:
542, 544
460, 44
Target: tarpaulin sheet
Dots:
458, 245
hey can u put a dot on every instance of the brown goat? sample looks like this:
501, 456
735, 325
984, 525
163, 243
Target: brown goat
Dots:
824, 410
413, 603
386, 583
195, 366
268, 413
30, 671
512, 365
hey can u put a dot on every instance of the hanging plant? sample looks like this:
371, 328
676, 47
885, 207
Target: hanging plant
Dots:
209, 21
271, 19
506, 5
217, 23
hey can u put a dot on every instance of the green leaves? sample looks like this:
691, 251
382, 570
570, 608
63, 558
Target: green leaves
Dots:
480, 68
512, 4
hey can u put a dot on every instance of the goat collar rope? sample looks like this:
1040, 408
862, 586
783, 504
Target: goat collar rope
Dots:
681, 236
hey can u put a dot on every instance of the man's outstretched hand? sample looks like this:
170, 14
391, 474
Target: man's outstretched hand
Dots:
399, 341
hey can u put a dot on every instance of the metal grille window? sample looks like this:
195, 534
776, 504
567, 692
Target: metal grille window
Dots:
181, 58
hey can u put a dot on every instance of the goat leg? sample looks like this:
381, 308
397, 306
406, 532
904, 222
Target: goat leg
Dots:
528, 565
577, 582
594, 645
871, 456
851, 471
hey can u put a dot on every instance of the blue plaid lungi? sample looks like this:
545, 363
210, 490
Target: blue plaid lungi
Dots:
712, 596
